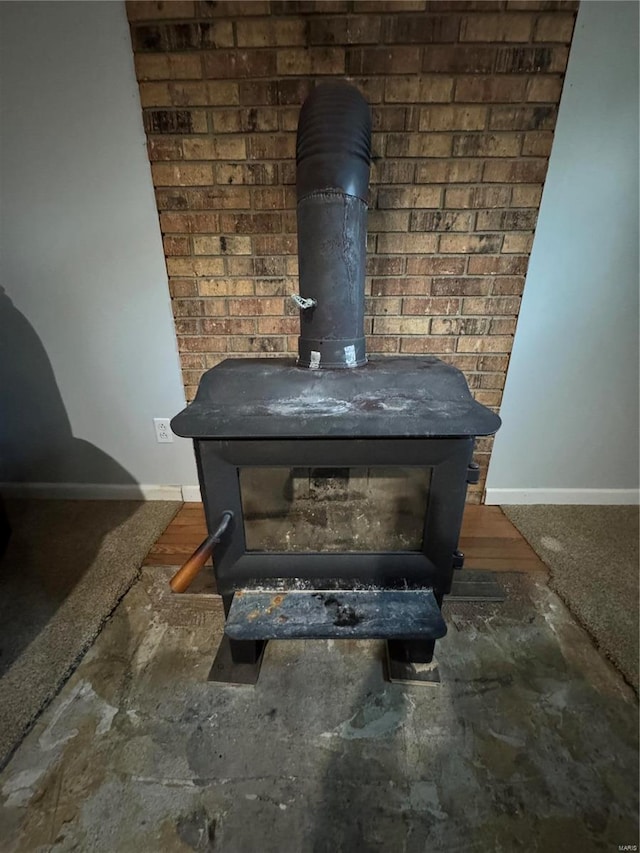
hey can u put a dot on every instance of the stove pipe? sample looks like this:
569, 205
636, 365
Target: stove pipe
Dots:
333, 155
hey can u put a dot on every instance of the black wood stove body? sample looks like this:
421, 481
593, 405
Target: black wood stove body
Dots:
332, 417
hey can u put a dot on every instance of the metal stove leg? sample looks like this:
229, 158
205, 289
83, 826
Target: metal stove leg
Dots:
237, 661
412, 661
234, 665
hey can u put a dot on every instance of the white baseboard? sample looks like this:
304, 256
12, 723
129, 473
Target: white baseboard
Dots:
563, 496
100, 491
191, 494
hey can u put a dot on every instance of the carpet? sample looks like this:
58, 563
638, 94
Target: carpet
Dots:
67, 566
592, 555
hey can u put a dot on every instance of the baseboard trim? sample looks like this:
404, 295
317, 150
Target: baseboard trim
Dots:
191, 494
600, 497
97, 491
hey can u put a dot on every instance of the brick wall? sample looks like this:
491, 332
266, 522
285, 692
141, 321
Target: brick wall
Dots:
464, 98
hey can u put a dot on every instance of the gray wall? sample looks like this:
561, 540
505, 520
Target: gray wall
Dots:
570, 407
87, 345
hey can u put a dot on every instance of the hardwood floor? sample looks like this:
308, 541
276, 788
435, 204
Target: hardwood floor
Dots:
489, 541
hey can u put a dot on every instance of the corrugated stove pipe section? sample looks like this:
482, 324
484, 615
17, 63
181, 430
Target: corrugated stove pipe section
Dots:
333, 158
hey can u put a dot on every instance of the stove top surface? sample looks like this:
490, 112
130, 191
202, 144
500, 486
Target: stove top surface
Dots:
389, 397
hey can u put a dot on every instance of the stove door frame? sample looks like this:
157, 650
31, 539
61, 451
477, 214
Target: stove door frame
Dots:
235, 568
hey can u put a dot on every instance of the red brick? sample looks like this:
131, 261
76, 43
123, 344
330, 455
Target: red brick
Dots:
515, 171
470, 243
385, 266
383, 60
453, 118
355, 29
517, 243
419, 145
418, 89
459, 326
176, 246
407, 243
229, 327
388, 220
250, 223
233, 8
249, 307
497, 343
448, 171
507, 285
316, 60
431, 306
226, 287
459, 59
393, 172
214, 148
440, 220
525, 196
490, 89
502, 326
270, 32
383, 343
428, 345
524, 60
446, 265
164, 149
544, 88
476, 197
557, 27
272, 146
155, 10
421, 29
400, 286
378, 306
491, 305
537, 144
523, 118
389, 118
191, 174
401, 325
409, 197
185, 267
450, 286
497, 265
506, 220
495, 28
182, 287
246, 173
232, 65
487, 145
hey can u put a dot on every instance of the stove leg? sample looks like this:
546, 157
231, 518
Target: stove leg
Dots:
411, 651
237, 661
246, 651
412, 661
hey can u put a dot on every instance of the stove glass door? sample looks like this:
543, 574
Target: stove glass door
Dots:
334, 509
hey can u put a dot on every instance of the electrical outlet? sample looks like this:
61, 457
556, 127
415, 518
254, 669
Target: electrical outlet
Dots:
163, 430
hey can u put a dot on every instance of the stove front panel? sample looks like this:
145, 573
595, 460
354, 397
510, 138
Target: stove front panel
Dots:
403, 497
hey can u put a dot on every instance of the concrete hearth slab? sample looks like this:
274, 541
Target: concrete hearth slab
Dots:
529, 742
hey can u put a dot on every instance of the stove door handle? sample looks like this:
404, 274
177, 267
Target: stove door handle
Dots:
187, 573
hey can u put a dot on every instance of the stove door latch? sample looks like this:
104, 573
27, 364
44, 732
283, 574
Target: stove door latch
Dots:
458, 560
473, 473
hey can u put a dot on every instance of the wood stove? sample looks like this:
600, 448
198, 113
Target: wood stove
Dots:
333, 486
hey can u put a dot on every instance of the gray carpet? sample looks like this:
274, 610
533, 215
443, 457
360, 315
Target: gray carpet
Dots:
592, 554
67, 566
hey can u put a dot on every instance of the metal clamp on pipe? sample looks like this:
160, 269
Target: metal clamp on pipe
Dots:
187, 573
302, 303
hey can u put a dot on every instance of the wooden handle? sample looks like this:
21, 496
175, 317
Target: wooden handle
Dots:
186, 575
